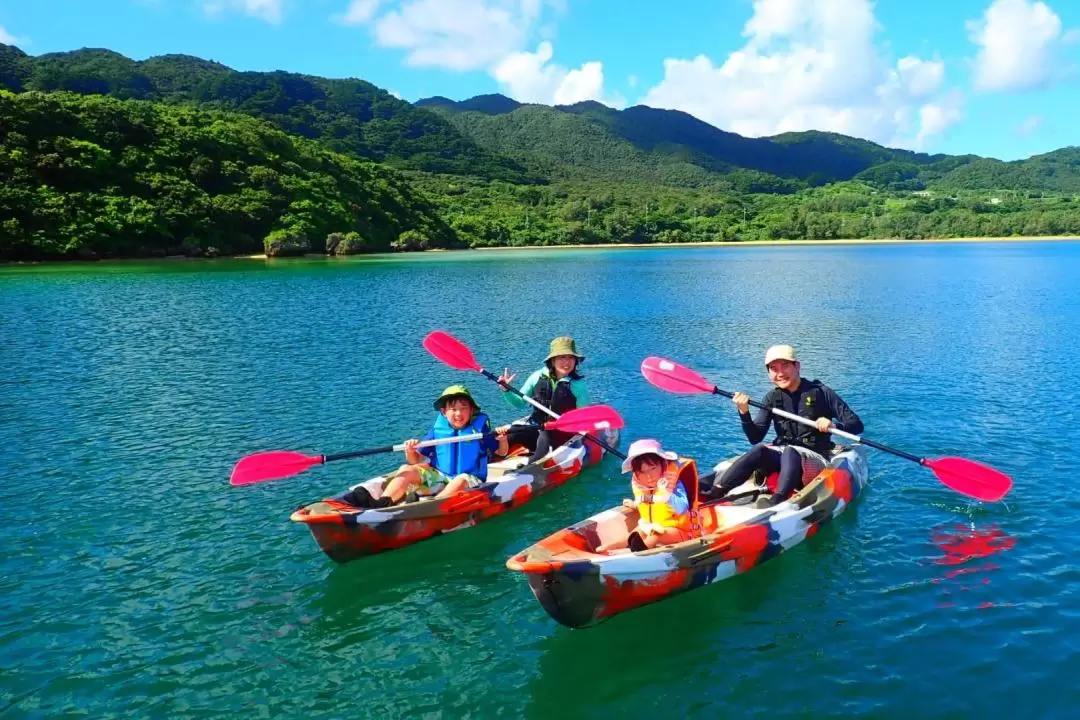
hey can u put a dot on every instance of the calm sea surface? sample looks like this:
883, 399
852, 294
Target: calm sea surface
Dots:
134, 581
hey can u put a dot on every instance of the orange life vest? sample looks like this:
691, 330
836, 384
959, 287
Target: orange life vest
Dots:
654, 504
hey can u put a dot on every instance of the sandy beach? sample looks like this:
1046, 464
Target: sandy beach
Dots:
763, 243
609, 246
746, 243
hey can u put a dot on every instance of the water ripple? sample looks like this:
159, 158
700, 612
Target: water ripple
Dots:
135, 582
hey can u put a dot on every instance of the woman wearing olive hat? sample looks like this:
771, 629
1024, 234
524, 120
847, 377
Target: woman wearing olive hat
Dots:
557, 386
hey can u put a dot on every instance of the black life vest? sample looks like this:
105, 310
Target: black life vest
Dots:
554, 395
811, 403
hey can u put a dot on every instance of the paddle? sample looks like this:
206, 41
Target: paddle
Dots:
457, 355
967, 477
277, 464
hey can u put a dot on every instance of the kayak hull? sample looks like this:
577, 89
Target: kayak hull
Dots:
345, 533
580, 587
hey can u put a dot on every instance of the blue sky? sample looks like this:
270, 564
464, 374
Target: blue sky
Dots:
991, 77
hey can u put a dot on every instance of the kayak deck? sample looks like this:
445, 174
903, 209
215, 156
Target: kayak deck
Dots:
579, 585
345, 532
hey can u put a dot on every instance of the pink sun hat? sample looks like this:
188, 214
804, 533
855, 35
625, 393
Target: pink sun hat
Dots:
647, 446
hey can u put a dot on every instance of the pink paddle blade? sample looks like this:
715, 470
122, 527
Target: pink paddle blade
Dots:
271, 465
970, 478
450, 350
673, 377
587, 419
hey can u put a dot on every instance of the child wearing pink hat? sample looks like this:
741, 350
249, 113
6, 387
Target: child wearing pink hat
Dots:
665, 496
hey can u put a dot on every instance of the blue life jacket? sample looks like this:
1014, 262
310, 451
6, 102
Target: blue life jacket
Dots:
463, 457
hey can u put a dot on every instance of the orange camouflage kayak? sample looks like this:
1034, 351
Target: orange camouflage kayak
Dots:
345, 532
580, 586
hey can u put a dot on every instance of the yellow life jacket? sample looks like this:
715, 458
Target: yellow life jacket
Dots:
654, 504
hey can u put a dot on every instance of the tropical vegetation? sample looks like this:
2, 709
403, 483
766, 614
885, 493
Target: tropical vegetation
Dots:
105, 156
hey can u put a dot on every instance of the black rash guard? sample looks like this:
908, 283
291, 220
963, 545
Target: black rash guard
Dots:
812, 399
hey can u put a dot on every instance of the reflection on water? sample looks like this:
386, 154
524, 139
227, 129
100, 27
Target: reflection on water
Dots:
962, 544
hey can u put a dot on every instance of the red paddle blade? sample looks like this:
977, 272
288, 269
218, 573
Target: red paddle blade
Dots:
271, 465
673, 377
450, 350
970, 478
587, 419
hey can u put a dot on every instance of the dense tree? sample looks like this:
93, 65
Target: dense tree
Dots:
350, 115
96, 176
101, 155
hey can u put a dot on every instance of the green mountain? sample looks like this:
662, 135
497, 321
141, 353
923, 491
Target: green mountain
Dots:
350, 116
1057, 171
96, 176
104, 156
590, 140
665, 146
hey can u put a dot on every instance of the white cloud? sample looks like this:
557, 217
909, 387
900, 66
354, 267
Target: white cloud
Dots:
491, 35
271, 11
531, 77
358, 12
934, 117
921, 78
458, 34
812, 64
1030, 125
1019, 43
8, 39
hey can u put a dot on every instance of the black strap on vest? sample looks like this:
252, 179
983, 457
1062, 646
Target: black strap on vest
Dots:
560, 400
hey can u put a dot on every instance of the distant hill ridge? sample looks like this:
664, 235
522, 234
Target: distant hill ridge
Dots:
495, 137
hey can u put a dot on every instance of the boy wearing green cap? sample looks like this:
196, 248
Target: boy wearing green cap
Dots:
557, 386
442, 470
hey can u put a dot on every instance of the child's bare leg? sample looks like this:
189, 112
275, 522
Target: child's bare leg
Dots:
454, 486
613, 545
668, 536
407, 477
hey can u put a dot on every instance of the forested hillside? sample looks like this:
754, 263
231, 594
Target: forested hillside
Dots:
105, 156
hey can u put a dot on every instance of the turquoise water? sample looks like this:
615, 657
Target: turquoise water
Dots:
135, 581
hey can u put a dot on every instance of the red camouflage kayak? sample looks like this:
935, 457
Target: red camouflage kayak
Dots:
345, 532
579, 586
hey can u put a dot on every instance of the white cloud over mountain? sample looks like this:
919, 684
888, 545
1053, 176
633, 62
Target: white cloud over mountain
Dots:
813, 64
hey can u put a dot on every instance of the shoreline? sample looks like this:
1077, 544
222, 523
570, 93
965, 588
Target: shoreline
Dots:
787, 243
715, 243
596, 246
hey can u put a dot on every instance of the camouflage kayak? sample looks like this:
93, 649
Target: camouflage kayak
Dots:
579, 586
345, 532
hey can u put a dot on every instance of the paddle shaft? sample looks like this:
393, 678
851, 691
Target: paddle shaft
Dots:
492, 376
401, 446
835, 431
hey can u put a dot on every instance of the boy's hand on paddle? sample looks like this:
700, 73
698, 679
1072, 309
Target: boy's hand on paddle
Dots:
502, 430
742, 402
410, 445
823, 424
507, 377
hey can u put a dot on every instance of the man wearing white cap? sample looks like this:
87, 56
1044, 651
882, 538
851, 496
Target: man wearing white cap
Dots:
797, 448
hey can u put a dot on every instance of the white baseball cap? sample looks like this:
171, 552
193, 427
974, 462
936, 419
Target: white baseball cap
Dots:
780, 352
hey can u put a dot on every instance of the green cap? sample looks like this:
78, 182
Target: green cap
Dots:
563, 346
455, 391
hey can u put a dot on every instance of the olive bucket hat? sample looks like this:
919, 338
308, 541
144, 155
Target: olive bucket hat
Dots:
452, 392
563, 346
